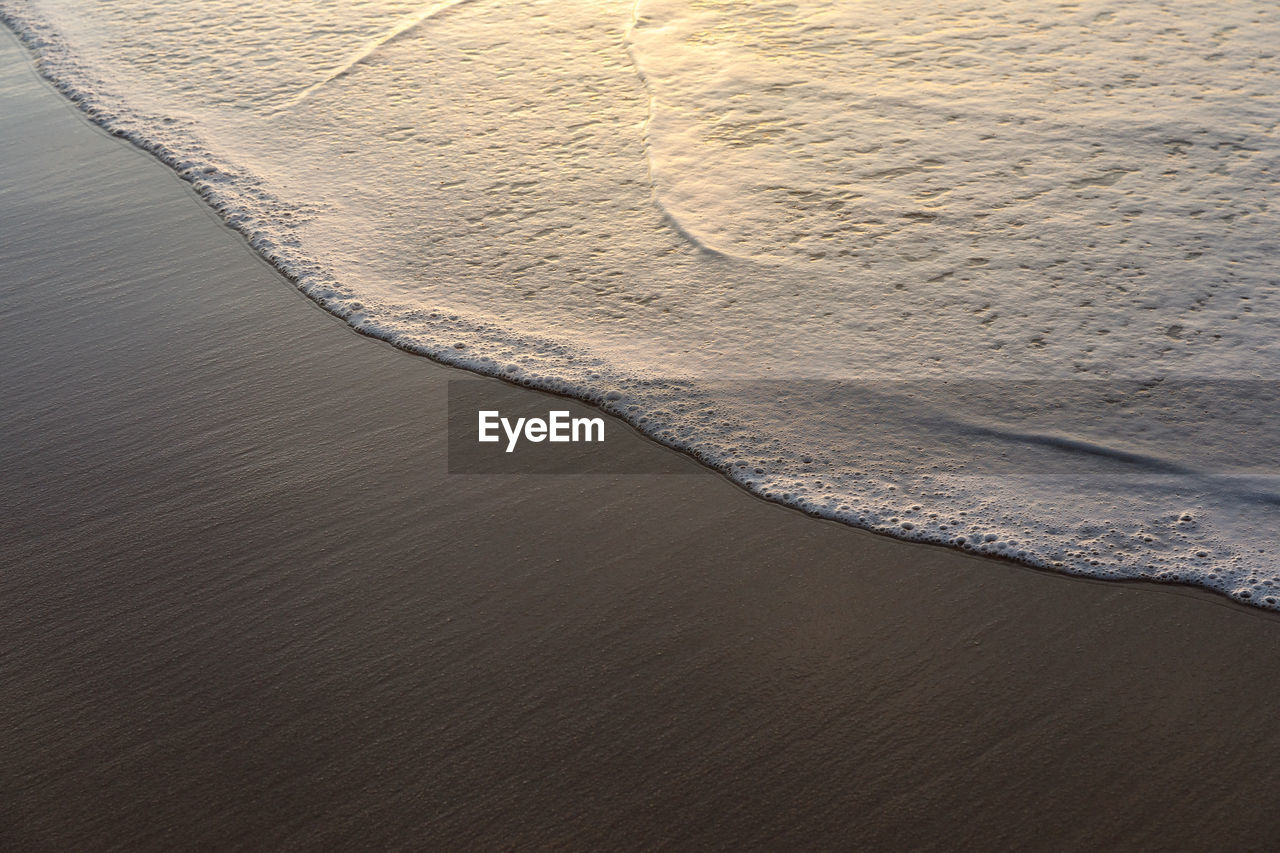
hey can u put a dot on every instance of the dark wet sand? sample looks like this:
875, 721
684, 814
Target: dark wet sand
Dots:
242, 604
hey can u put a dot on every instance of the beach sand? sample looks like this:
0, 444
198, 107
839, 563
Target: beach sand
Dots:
244, 604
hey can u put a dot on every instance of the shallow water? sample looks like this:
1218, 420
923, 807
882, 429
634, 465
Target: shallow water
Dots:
993, 272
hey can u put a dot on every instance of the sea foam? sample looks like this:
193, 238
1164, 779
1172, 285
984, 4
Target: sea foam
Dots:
994, 275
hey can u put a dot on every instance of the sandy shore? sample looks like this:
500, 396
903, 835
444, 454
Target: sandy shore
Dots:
244, 604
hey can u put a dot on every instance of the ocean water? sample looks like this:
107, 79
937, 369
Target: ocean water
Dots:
994, 274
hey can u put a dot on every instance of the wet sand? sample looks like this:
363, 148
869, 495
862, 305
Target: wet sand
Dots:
244, 604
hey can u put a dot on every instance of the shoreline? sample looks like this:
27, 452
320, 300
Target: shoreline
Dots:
1066, 554
247, 605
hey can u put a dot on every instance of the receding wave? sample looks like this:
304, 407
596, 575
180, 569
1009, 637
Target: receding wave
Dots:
998, 280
